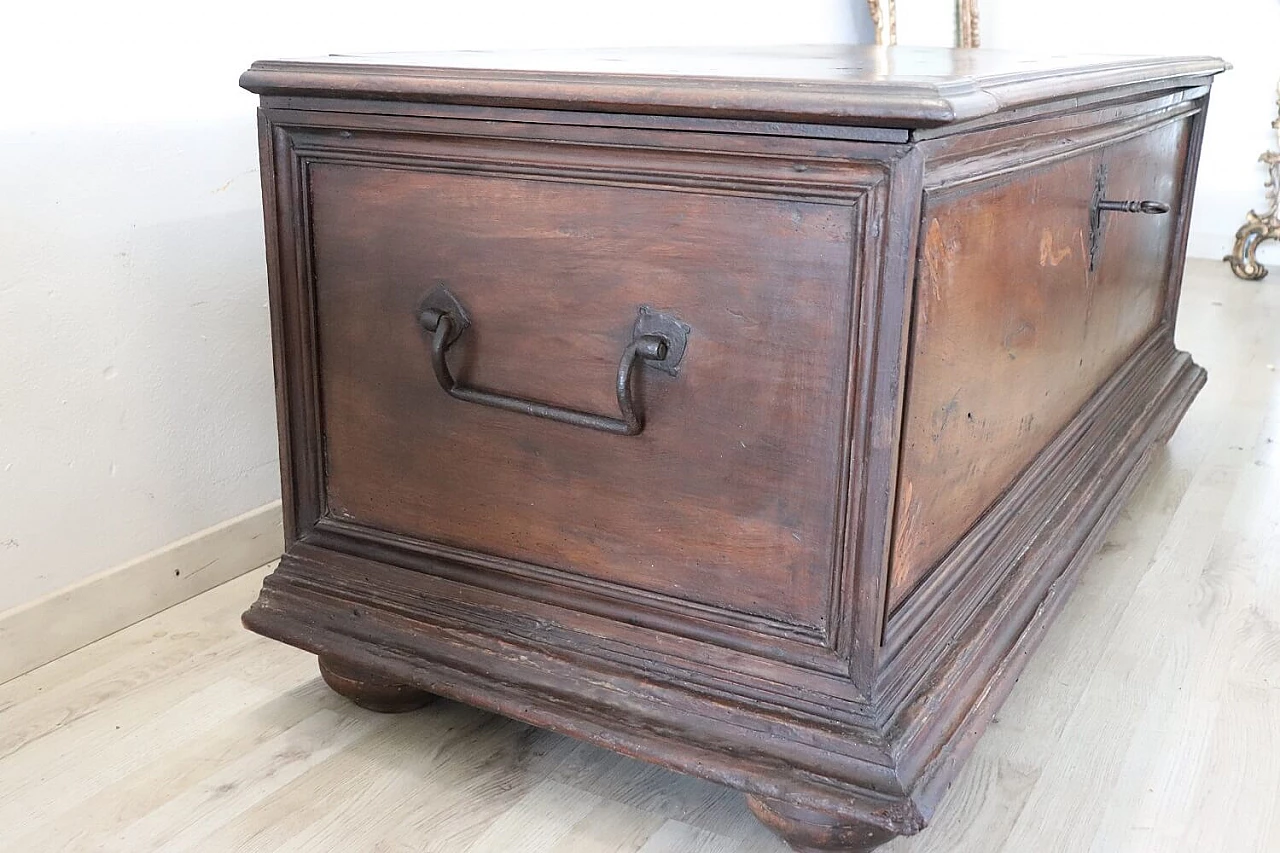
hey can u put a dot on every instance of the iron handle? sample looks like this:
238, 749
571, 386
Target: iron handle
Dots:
658, 341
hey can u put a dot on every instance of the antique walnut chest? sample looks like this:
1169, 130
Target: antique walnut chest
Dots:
749, 412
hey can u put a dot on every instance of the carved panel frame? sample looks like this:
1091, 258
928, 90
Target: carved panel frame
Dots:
871, 179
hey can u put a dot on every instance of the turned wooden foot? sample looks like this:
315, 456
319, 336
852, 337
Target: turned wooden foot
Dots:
811, 831
370, 690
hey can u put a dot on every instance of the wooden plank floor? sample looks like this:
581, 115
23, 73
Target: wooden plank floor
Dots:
1149, 720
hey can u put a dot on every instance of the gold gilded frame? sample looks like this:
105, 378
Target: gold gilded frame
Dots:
884, 14
1260, 227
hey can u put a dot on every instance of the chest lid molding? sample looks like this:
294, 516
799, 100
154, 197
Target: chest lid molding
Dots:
861, 85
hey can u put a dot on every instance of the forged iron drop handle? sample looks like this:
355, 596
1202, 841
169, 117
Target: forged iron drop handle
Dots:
658, 341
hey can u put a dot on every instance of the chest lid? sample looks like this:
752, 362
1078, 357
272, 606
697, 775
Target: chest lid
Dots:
856, 85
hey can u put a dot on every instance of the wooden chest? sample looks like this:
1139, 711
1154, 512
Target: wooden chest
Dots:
749, 412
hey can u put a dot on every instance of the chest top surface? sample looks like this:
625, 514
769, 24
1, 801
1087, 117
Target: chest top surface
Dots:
829, 84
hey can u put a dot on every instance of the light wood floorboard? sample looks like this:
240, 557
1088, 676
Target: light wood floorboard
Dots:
1148, 720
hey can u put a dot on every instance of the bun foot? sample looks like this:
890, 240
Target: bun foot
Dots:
370, 690
810, 831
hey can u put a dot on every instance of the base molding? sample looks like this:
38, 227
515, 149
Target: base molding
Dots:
818, 783
937, 732
43, 630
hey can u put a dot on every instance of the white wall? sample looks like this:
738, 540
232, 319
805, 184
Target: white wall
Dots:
135, 395
1245, 32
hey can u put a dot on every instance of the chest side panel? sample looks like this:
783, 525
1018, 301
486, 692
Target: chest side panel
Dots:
731, 493
1021, 313
732, 509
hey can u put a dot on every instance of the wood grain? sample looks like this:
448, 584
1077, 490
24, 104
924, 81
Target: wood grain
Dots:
738, 471
1014, 329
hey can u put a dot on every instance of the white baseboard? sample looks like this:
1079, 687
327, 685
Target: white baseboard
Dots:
43, 630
